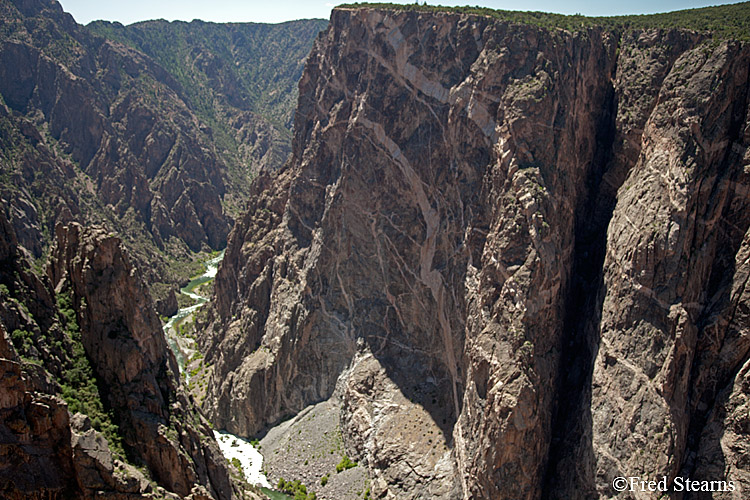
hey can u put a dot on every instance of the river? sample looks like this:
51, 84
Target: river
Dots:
231, 446
180, 345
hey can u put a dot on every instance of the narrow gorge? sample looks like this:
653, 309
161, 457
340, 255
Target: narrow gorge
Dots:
502, 255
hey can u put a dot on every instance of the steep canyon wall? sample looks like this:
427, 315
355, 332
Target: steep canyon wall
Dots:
92, 405
517, 256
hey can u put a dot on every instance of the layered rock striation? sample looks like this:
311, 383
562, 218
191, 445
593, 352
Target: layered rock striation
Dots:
516, 254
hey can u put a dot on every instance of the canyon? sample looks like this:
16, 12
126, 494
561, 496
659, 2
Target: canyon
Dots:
153, 133
514, 257
114, 183
93, 406
506, 257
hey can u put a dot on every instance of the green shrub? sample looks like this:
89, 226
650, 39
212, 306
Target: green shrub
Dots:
324, 480
22, 340
345, 464
65, 306
238, 465
296, 489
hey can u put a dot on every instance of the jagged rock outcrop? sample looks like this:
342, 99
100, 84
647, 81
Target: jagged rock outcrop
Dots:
122, 336
43, 454
517, 253
46, 347
36, 435
42, 451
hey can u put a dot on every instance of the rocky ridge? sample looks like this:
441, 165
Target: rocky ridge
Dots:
516, 255
104, 104
240, 78
99, 132
123, 338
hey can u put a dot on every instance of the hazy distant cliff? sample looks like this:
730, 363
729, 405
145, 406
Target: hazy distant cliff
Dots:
518, 255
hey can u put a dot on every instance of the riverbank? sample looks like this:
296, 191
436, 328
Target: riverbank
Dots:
178, 331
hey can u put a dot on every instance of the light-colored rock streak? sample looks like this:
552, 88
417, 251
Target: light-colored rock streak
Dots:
475, 110
408, 71
430, 277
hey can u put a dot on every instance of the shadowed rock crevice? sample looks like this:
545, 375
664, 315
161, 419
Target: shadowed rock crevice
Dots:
570, 462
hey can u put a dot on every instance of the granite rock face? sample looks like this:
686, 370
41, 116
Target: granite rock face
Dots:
36, 436
517, 255
672, 335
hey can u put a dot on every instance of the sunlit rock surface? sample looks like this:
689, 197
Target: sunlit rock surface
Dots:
519, 253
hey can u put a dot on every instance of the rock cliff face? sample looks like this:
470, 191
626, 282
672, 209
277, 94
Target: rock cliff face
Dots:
517, 255
105, 104
131, 390
97, 131
123, 338
34, 424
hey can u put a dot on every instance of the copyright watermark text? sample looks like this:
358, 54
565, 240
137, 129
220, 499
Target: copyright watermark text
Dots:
663, 485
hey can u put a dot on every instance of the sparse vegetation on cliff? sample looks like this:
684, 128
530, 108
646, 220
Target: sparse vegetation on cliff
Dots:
346, 463
240, 79
724, 21
190, 122
78, 383
296, 489
238, 465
